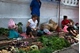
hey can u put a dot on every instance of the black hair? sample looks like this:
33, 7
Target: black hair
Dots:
65, 17
77, 24
33, 16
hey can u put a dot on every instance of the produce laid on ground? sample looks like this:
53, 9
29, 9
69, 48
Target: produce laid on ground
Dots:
4, 31
44, 44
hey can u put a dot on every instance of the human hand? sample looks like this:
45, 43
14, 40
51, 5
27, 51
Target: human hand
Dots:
37, 28
33, 29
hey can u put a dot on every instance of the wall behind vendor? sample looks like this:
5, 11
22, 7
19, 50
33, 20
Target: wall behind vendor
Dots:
20, 12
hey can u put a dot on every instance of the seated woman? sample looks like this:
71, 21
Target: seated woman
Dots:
32, 26
72, 35
12, 29
72, 30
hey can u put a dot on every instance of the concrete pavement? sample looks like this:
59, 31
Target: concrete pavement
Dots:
72, 49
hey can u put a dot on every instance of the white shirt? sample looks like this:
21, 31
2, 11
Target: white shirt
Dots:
32, 23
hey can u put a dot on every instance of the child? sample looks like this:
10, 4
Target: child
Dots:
32, 26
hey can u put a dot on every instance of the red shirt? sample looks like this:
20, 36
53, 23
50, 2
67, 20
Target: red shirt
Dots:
65, 22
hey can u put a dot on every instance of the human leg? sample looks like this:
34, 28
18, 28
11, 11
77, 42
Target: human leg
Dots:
38, 19
29, 31
74, 34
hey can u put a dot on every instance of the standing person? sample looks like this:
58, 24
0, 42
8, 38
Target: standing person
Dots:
65, 21
32, 26
35, 8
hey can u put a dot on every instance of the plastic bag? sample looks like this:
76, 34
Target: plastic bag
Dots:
47, 31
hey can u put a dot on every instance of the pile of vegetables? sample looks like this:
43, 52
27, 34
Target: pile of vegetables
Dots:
53, 43
49, 43
4, 31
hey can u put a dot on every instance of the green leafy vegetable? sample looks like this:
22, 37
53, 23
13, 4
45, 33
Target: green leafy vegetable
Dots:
54, 43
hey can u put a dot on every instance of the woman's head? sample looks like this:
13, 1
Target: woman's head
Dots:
71, 21
34, 17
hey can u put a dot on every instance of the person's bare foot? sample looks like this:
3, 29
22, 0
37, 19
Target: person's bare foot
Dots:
32, 36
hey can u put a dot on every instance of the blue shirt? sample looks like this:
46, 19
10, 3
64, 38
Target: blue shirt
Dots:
35, 5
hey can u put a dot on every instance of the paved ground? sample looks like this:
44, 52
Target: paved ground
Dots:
72, 49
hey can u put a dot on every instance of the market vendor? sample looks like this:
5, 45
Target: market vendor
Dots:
72, 30
12, 29
32, 26
65, 21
